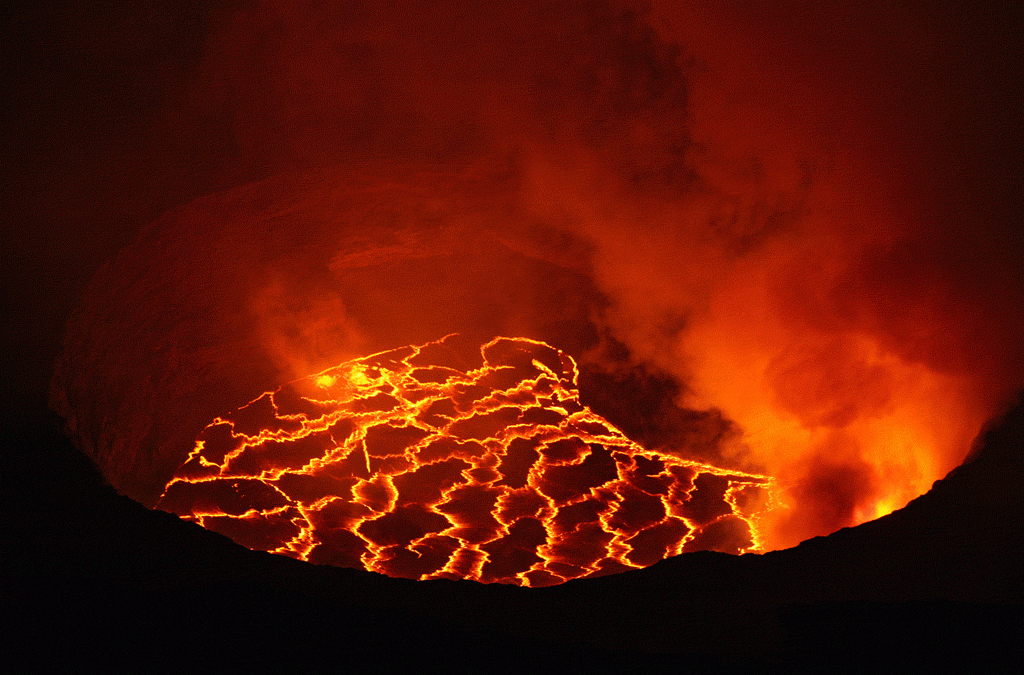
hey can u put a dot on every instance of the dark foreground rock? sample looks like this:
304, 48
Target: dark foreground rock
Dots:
93, 576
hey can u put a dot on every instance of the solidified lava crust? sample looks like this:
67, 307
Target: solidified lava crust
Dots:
448, 460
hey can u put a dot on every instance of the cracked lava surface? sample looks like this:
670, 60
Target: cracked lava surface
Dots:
449, 460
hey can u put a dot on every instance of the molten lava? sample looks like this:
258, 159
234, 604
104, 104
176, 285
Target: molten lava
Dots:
423, 463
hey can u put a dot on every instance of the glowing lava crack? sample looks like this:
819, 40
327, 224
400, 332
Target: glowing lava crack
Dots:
422, 463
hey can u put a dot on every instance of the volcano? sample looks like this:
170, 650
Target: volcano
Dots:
778, 240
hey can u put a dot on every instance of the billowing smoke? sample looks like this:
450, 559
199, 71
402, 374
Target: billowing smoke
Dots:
779, 240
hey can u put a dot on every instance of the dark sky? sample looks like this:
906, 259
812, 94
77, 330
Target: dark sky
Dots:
849, 176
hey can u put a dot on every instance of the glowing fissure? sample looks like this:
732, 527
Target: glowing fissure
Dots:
421, 463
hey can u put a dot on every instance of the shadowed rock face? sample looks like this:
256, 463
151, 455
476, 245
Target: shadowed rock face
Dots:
937, 582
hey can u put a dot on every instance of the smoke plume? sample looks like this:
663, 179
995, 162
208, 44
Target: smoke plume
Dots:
776, 237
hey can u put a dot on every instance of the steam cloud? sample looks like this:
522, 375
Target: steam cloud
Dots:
782, 235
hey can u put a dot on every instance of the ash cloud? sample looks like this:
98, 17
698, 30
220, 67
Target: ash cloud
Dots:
728, 211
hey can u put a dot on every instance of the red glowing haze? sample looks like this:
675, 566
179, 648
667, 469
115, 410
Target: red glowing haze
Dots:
778, 238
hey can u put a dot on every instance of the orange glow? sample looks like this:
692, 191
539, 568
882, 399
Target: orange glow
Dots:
421, 463
851, 427
794, 227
